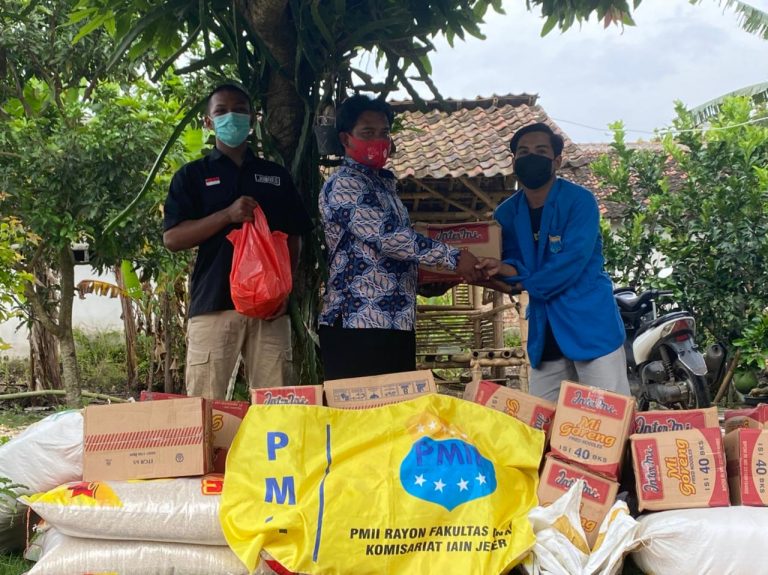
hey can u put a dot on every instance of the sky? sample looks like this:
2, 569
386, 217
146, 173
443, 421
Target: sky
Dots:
592, 76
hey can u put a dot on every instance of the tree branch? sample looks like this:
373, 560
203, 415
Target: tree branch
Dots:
40, 313
424, 77
400, 74
19, 89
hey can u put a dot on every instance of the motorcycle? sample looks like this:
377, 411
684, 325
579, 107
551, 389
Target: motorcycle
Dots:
664, 364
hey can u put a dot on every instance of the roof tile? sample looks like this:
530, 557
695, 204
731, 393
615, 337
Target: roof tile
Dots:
469, 139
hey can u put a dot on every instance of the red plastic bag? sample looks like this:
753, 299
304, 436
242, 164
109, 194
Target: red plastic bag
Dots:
260, 279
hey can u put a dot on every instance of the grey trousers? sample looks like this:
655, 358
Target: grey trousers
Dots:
607, 372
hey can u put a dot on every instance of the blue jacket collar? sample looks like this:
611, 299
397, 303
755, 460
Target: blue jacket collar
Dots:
532, 257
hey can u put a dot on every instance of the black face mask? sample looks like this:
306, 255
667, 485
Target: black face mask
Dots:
533, 170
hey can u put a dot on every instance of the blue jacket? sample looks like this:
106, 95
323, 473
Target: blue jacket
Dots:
564, 277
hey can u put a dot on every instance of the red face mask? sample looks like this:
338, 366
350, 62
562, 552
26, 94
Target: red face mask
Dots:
371, 153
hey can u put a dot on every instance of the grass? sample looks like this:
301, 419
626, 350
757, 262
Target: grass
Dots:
13, 565
13, 417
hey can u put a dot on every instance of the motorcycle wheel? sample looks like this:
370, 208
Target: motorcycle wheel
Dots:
698, 388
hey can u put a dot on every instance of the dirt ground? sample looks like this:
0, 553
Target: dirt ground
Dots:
9, 432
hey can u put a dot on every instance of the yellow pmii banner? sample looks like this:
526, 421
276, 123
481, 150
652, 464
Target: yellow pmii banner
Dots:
432, 485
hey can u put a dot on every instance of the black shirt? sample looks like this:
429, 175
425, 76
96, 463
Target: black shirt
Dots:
551, 348
212, 183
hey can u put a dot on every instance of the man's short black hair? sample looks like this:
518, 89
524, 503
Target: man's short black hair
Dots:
555, 139
228, 87
351, 109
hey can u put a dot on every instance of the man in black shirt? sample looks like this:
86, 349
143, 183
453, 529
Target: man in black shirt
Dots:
207, 199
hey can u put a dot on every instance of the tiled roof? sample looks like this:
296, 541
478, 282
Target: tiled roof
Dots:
470, 139
449, 104
440, 150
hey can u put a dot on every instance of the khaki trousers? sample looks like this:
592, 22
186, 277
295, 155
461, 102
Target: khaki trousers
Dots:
214, 341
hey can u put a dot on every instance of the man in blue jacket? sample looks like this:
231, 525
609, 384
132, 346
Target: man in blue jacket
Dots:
552, 248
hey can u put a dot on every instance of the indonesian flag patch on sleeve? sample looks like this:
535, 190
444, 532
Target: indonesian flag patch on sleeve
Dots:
212, 182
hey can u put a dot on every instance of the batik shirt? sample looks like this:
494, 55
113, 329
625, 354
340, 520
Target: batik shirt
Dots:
373, 252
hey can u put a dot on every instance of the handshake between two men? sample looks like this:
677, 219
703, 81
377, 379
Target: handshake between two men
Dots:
486, 272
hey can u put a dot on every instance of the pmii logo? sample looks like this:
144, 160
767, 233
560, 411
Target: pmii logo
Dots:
448, 472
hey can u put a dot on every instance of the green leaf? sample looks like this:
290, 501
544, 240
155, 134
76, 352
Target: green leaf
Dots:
89, 27
144, 23
131, 280
549, 25
80, 14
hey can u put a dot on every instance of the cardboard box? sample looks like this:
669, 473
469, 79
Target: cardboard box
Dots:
747, 418
675, 420
288, 395
529, 409
148, 439
364, 392
226, 417
598, 495
483, 239
746, 453
680, 469
591, 428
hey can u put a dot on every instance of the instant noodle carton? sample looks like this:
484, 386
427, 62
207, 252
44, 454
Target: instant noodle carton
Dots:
372, 391
288, 395
483, 239
531, 410
675, 420
746, 453
598, 495
680, 469
748, 418
591, 427
226, 417
147, 439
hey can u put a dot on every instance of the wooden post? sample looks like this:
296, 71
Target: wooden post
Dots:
522, 310
498, 330
727, 378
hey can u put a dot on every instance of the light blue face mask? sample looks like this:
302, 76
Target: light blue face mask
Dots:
232, 129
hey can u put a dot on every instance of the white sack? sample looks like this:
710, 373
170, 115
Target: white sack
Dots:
721, 540
172, 510
74, 555
46, 454
561, 546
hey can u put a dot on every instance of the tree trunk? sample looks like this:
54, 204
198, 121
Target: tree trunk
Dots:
61, 327
43, 348
43, 358
70, 368
283, 107
129, 329
285, 119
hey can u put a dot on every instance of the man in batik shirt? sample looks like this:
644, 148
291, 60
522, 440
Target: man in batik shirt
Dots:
369, 305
